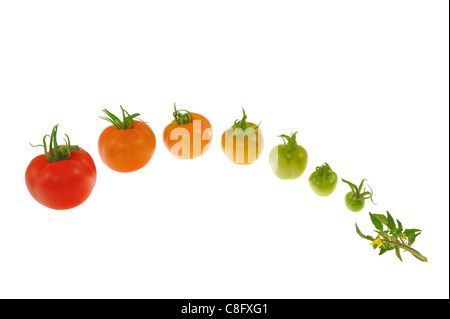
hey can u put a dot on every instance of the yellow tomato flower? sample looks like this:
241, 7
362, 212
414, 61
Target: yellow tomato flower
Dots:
378, 242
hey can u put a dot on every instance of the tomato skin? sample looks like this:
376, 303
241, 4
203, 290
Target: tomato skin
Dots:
199, 129
127, 150
323, 186
238, 151
63, 184
288, 164
355, 205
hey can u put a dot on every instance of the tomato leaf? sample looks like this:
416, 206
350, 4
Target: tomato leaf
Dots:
400, 226
399, 230
391, 223
397, 252
362, 235
376, 222
386, 249
381, 218
412, 235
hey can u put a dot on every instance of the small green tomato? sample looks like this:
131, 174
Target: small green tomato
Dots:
323, 181
356, 199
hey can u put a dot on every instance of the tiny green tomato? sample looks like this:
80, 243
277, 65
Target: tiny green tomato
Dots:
355, 200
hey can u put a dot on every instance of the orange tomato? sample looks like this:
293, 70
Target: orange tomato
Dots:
188, 136
243, 143
127, 149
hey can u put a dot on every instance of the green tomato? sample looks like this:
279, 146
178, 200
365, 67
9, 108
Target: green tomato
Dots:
288, 160
355, 205
356, 199
323, 181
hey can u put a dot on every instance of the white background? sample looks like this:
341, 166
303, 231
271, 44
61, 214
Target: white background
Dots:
364, 82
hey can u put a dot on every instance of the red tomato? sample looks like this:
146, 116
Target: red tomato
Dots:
63, 177
63, 184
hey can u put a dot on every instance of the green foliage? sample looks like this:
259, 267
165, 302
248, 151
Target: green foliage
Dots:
392, 236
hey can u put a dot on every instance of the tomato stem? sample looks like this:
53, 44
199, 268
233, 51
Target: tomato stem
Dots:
56, 152
126, 123
242, 124
324, 170
290, 141
180, 118
409, 249
358, 193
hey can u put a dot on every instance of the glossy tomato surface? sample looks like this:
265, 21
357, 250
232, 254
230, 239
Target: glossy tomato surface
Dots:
189, 140
127, 150
63, 184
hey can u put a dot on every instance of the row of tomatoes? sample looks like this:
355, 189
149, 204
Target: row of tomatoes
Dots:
65, 175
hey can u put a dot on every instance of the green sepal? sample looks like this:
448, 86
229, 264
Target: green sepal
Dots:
290, 141
126, 123
56, 153
181, 118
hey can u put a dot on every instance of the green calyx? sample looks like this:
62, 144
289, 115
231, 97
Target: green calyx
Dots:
358, 193
56, 153
181, 118
393, 237
324, 170
290, 141
242, 123
126, 123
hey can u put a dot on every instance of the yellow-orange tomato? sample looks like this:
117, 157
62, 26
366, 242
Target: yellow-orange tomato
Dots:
243, 143
127, 149
188, 136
